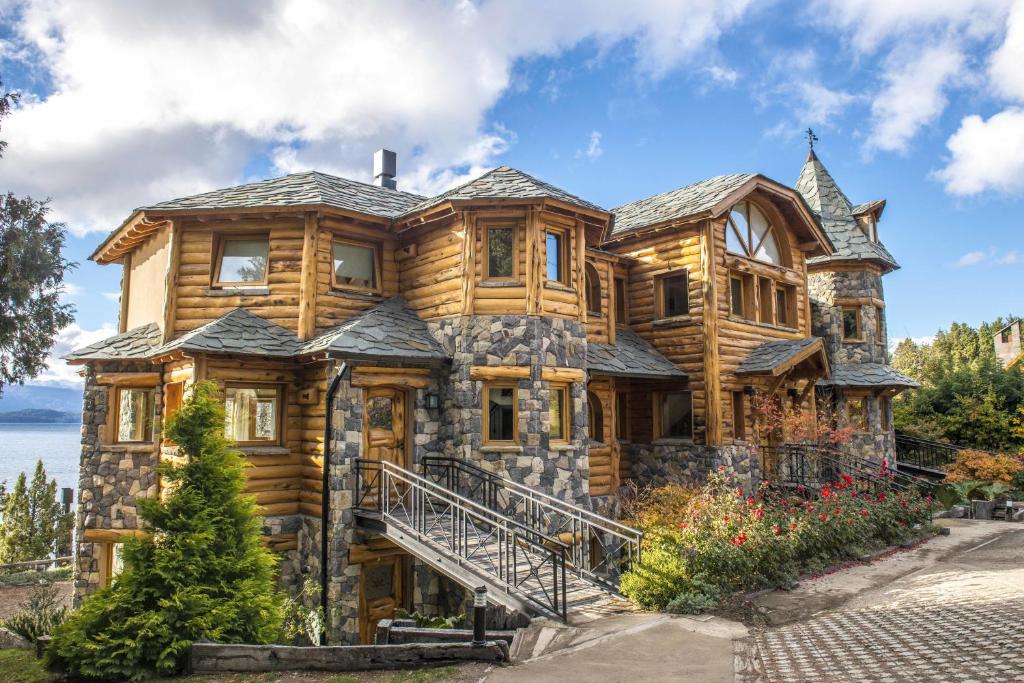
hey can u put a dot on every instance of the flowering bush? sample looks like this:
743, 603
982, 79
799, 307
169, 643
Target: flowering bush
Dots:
981, 466
726, 540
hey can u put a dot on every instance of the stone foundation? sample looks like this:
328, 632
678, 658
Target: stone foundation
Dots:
662, 464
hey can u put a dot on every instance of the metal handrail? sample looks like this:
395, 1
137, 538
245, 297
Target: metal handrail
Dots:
815, 465
601, 548
494, 544
927, 453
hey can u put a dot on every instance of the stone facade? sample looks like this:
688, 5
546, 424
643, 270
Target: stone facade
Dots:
662, 464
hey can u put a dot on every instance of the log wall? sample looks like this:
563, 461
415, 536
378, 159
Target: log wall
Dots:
432, 266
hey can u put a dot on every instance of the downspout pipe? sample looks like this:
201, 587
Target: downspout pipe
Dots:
325, 494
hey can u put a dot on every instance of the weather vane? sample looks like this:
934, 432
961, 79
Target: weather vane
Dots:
811, 139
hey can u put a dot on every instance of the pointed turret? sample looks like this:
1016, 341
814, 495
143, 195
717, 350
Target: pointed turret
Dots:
820, 190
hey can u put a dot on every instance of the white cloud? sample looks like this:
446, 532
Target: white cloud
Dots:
594, 149
971, 258
794, 79
722, 75
913, 95
112, 296
1005, 70
992, 256
986, 155
70, 338
152, 99
920, 341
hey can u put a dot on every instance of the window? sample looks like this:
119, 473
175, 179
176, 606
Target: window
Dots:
595, 414
884, 406
736, 295
252, 414
851, 323
741, 295
622, 415
676, 415
593, 289
501, 252
785, 305
674, 296
765, 300
355, 265
748, 233
1005, 336
739, 420
242, 261
558, 402
114, 563
879, 325
857, 412
134, 415
620, 301
557, 263
500, 413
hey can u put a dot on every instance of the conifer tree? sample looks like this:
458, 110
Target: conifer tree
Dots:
34, 525
201, 572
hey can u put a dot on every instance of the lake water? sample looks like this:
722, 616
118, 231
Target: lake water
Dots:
57, 445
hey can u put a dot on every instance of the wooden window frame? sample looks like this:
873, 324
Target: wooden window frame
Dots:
279, 418
116, 412
747, 242
375, 247
592, 281
739, 416
748, 285
565, 264
879, 326
486, 265
659, 428
766, 294
865, 425
595, 409
554, 388
791, 311
842, 324
621, 301
659, 293
108, 562
222, 240
486, 422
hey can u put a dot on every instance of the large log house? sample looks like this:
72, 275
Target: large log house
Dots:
505, 322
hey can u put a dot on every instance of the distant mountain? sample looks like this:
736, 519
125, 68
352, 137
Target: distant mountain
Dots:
66, 399
39, 416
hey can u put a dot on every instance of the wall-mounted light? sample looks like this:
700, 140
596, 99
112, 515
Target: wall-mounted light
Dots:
431, 400
748, 390
792, 393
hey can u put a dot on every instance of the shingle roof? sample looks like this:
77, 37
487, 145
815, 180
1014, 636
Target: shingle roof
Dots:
836, 214
390, 329
504, 182
684, 201
869, 206
239, 331
311, 188
137, 343
770, 355
630, 356
867, 375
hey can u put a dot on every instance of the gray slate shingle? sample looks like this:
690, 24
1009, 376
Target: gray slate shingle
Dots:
867, 375
300, 189
836, 214
137, 343
504, 182
684, 201
772, 354
630, 356
239, 331
390, 329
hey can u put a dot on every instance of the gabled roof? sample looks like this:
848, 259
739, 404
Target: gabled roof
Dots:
685, 201
837, 216
239, 331
868, 375
875, 206
776, 357
311, 188
504, 182
135, 344
390, 329
630, 356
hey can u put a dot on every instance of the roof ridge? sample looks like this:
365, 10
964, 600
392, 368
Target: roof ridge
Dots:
325, 174
721, 176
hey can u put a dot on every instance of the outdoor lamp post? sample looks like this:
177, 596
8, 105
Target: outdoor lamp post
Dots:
480, 616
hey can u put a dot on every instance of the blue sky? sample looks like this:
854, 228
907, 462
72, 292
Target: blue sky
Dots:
918, 102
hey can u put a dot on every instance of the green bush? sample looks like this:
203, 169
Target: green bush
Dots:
424, 621
201, 572
39, 615
724, 541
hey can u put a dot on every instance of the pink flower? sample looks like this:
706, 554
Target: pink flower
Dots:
750, 501
792, 526
758, 513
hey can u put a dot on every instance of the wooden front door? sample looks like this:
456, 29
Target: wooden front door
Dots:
380, 593
385, 425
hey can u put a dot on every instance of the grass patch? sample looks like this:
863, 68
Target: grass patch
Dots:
21, 666
416, 676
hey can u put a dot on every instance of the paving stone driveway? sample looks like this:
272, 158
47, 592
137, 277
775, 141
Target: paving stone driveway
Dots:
959, 620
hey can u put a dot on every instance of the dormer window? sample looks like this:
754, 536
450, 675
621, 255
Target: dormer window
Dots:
242, 261
748, 233
355, 265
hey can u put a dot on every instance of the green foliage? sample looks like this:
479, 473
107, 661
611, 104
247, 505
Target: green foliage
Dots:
424, 621
958, 492
995, 489
34, 577
34, 524
303, 616
32, 272
201, 573
966, 397
724, 542
39, 614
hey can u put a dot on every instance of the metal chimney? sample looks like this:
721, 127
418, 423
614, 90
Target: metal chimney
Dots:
385, 168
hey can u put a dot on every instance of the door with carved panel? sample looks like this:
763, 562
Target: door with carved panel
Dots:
385, 427
380, 594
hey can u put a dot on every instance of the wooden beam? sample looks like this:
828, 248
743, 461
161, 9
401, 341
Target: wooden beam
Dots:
486, 372
128, 379
397, 378
469, 263
110, 535
307, 281
709, 331
126, 281
170, 312
560, 374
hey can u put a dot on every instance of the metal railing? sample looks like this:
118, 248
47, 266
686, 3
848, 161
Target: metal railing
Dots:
925, 453
600, 549
525, 561
814, 465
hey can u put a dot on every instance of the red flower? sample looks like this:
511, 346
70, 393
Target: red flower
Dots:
847, 478
863, 513
800, 488
682, 525
792, 526
823, 516
740, 539
881, 496
776, 530
826, 492
725, 518
810, 507
758, 513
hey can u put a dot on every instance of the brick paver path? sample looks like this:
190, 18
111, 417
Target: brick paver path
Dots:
962, 621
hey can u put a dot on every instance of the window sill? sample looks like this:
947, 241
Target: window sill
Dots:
355, 294
499, 283
509, 448
768, 326
558, 286
672, 442
235, 290
264, 450
853, 341
673, 320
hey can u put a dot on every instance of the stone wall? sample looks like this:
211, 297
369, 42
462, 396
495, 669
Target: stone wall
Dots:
661, 464
827, 321
876, 443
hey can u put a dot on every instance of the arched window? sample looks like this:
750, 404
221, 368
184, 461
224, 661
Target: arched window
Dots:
593, 289
596, 417
748, 233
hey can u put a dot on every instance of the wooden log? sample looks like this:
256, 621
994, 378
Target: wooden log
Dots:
561, 374
485, 372
128, 379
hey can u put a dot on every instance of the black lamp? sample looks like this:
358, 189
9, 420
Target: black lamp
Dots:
748, 390
431, 400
